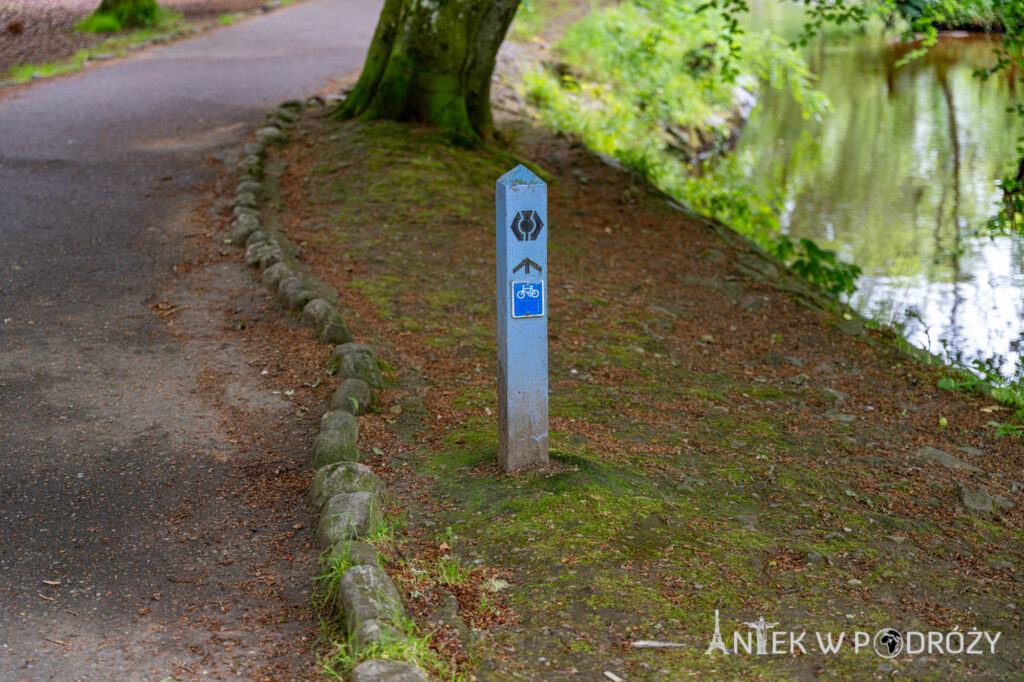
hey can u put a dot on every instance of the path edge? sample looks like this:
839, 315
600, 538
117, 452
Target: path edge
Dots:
347, 494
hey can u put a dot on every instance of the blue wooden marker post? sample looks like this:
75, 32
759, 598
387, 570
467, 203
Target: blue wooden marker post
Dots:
521, 222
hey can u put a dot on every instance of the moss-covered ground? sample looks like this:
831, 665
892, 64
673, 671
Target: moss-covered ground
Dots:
717, 441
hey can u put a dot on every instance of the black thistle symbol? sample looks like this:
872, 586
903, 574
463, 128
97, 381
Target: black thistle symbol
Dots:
527, 225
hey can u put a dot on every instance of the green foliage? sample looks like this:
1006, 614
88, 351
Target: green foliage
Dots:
726, 193
817, 265
450, 568
965, 384
1009, 395
117, 15
1009, 56
333, 565
383, 537
410, 645
622, 90
923, 19
1015, 431
986, 15
624, 82
1010, 218
819, 13
99, 23
983, 376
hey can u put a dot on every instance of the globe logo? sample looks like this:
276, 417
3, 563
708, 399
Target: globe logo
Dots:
888, 643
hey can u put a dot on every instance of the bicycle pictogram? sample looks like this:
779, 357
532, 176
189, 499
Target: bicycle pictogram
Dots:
528, 290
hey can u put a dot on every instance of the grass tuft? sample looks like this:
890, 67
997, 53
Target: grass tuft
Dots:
333, 564
410, 646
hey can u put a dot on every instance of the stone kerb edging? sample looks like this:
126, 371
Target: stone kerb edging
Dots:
345, 493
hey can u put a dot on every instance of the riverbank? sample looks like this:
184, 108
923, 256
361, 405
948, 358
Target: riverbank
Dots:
910, 154
718, 441
976, 16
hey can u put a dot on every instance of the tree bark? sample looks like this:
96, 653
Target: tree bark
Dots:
432, 61
131, 13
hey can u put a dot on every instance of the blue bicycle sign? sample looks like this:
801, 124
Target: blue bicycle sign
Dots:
528, 299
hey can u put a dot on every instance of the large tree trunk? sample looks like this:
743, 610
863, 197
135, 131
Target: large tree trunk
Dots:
131, 13
432, 61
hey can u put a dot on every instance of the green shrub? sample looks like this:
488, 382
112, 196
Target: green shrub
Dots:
632, 72
99, 23
117, 15
985, 377
954, 14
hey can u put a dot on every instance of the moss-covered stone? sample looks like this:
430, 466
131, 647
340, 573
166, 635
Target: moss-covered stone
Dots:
272, 135
347, 516
251, 186
294, 293
243, 226
362, 367
382, 670
333, 446
245, 210
271, 257
273, 275
355, 553
334, 329
254, 148
367, 593
257, 237
373, 633
245, 199
316, 312
344, 349
353, 395
255, 253
340, 420
342, 477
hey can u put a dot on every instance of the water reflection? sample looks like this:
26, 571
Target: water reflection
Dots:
897, 178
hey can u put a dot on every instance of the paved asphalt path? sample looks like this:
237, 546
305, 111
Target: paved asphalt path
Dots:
105, 443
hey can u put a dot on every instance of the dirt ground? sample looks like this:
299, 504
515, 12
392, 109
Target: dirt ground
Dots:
718, 442
260, 627
37, 31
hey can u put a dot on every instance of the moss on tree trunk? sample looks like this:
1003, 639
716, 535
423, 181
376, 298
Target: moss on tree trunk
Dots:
432, 61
